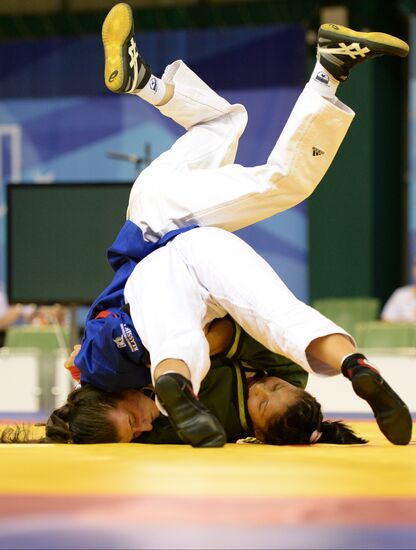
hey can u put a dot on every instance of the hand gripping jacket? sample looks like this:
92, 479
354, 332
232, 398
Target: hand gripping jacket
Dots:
112, 356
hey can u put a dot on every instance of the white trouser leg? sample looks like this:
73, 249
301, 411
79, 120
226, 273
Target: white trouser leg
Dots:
169, 310
213, 126
202, 275
175, 194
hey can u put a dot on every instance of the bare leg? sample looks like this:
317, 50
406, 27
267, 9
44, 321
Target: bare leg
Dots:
331, 350
172, 365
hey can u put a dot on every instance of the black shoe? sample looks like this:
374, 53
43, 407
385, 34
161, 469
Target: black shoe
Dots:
193, 422
391, 413
340, 48
125, 70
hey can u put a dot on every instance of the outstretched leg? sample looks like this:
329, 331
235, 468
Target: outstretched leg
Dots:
191, 103
195, 181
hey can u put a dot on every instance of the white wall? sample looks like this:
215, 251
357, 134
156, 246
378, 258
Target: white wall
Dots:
20, 386
32, 381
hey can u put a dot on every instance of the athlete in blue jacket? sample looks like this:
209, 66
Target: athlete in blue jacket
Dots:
111, 350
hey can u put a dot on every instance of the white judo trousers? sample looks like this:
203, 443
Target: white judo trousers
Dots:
208, 272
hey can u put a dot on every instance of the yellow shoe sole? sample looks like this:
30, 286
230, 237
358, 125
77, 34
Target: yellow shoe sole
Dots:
379, 42
117, 28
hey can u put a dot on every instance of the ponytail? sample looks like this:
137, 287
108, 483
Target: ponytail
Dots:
303, 424
82, 419
57, 428
339, 433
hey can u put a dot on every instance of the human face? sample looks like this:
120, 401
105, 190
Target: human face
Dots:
268, 399
133, 415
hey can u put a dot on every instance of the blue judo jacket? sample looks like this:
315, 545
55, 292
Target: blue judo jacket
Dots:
112, 356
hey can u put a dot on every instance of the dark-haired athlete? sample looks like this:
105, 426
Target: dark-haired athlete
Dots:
261, 395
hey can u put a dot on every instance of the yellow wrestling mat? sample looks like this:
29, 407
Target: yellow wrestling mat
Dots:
159, 493
251, 470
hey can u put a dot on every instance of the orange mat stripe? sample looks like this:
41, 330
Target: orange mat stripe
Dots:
206, 510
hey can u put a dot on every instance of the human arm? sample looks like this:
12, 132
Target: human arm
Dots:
70, 364
254, 356
220, 334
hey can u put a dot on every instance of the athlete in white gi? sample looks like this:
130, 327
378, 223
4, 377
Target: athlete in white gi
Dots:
207, 272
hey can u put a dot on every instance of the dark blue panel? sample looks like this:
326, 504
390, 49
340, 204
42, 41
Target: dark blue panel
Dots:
239, 57
276, 59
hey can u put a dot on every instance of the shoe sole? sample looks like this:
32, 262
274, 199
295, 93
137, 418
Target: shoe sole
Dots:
117, 30
395, 422
217, 441
378, 42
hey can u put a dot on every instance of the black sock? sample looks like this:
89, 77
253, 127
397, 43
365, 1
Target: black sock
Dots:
354, 363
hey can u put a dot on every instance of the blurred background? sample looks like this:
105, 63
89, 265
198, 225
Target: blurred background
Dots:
345, 250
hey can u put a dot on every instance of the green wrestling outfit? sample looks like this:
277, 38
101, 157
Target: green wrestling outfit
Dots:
225, 389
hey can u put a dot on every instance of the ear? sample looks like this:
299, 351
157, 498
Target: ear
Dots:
144, 426
258, 433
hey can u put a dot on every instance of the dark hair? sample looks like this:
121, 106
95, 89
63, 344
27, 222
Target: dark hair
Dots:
82, 419
301, 420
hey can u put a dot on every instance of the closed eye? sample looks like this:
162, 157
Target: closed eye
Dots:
263, 404
131, 422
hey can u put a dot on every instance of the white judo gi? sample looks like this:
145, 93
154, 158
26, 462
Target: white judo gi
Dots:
207, 272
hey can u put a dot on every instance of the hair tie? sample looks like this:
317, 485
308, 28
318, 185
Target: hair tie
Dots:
315, 436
